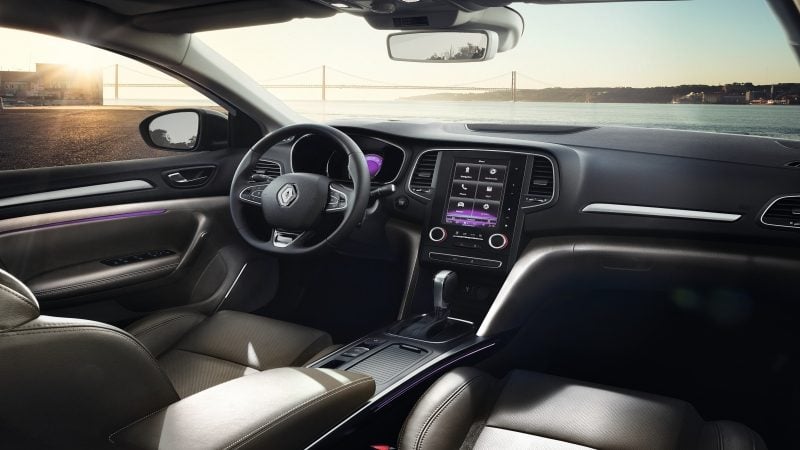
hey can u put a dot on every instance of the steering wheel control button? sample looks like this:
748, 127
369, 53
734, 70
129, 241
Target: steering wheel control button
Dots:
498, 241
252, 194
337, 200
437, 234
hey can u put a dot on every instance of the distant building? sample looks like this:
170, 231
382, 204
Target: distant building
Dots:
723, 98
53, 84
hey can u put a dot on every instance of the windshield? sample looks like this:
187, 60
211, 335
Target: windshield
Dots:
711, 65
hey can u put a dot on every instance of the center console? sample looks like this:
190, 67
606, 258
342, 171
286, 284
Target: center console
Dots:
473, 227
473, 220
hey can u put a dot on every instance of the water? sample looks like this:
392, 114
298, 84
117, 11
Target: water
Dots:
761, 120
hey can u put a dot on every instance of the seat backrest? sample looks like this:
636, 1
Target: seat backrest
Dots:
69, 383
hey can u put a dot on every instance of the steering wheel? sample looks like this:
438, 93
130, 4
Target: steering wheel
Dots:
294, 203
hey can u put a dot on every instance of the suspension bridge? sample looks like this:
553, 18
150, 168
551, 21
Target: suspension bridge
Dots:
504, 82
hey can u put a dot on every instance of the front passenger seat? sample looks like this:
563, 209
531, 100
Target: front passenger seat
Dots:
467, 409
198, 351
71, 382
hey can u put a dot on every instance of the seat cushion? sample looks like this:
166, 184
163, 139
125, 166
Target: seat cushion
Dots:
467, 408
200, 353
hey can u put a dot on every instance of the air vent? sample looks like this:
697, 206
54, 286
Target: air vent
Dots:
795, 164
542, 186
406, 22
265, 171
784, 212
422, 177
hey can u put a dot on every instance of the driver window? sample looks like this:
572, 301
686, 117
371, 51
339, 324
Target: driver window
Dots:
66, 103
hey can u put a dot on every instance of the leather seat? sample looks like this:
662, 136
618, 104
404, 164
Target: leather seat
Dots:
467, 408
198, 351
78, 381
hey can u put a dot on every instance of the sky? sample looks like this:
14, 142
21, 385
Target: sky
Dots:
590, 45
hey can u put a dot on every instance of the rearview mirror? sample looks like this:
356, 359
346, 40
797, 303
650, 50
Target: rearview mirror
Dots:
442, 46
185, 130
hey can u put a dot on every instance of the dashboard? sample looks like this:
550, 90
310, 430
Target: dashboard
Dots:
482, 192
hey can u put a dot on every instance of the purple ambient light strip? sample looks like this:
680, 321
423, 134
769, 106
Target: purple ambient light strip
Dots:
129, 215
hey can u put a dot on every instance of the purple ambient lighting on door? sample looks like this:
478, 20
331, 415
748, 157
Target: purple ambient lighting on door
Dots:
127, 215
374, 164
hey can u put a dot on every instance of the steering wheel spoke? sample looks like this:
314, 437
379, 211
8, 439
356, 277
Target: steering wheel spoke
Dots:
283, 238
338, 198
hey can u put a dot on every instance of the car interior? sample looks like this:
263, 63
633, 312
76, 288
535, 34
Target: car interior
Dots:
278, 282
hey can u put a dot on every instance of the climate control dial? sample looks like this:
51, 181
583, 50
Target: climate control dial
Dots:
437, 234
498, 241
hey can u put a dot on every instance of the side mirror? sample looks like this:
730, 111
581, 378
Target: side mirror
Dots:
442, 46
185, 130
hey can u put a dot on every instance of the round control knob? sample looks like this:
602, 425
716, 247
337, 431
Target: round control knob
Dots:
498, 241
437, 234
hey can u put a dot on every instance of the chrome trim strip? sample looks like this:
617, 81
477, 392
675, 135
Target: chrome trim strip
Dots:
556, 178
83, 191
761, 219
613, 208
230, 289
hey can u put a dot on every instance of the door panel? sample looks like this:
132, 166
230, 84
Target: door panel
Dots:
117, 263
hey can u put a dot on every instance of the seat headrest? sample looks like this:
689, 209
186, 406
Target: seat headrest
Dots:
18, 305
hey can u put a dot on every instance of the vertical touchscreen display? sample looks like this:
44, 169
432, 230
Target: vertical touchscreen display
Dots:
476, 193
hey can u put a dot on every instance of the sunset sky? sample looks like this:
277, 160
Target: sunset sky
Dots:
637, 45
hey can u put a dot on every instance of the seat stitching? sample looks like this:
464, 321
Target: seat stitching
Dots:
214, 357
111, 436
104, 280
439, 409
160, 324
19, 297
263, 428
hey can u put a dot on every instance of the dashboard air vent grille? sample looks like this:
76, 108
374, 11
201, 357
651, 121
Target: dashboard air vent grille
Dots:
542, 185
422, 176
784, 212
265, 171
405, 22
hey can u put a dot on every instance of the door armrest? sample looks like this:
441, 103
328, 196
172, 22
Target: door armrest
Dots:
285, 407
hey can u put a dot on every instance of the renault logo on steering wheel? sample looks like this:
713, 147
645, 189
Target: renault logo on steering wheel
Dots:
287, 194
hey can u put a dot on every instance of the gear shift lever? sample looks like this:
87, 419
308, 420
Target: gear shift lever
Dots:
436, 327
444, 286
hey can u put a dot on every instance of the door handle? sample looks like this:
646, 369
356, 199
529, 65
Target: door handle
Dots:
178, 177
189, 176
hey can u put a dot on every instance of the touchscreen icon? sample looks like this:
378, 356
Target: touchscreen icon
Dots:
492, 171
464, 187
489, 188
486, 206
460, 204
